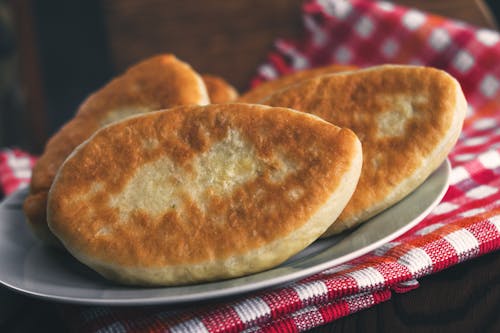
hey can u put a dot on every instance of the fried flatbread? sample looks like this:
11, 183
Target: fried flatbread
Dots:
219, 90
267, 88
159, 82
195, 194
407, 117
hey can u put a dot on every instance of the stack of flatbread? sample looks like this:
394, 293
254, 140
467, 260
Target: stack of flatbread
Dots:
168, 177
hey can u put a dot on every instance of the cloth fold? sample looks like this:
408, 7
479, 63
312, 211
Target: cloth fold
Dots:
466, 224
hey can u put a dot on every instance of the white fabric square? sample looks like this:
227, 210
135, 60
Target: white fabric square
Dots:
319, 35
413, 19
307, 318
268, 72
495, 220
191, 325
490, 160
458, 174
429, 229
20, 166
463, 61
484, 123
18, 162
474, 141
439, 39
311, 290
343, 55
367, 277
251, 309
489, 86
359, 302
384, 5
339, 9
464, 157
481, 192
298, 61
487, 37
364, 27
472, 212
444, 207
464, 243
417, 261
22, 173
389, 48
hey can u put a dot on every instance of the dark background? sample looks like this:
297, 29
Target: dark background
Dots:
67, 52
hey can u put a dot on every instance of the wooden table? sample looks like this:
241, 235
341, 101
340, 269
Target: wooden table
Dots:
67, 51
465, 298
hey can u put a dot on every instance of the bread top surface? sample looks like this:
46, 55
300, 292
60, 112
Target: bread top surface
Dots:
219, 90
156, 83
263, 90
194, 184
406, 117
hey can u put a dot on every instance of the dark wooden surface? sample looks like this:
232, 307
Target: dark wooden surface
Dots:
227, 38
29, 74
68, 49
81, 46
463, 298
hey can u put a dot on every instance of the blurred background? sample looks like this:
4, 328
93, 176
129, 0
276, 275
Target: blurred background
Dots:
53, 53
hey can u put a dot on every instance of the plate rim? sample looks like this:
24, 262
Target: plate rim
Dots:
239, 289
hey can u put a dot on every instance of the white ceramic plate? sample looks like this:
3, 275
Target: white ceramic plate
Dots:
30, 268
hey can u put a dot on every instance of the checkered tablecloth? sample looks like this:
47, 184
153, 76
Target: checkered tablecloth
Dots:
466, 224
15, 170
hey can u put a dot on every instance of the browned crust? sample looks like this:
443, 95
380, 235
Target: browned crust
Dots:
355, 100
256, 213
265, 89
156, 83
219, 90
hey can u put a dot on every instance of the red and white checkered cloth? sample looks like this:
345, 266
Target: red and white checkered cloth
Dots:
466, 224
15, 170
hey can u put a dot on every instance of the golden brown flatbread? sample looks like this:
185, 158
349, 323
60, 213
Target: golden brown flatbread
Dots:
267, 88
407, 117
156, 83
219, 90
198, 193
